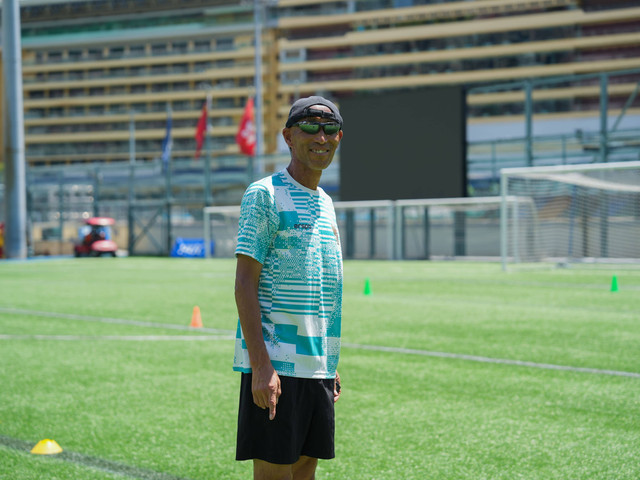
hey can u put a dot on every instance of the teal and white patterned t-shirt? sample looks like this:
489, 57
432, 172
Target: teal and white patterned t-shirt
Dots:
291, 230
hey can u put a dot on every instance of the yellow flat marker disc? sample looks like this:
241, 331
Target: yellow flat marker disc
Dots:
46, 447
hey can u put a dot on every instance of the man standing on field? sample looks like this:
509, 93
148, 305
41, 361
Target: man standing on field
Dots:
288, 292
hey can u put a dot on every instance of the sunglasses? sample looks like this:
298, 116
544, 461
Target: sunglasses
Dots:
314, 127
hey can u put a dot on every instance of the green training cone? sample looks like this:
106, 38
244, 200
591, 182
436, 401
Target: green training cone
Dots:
614, 284
367, 287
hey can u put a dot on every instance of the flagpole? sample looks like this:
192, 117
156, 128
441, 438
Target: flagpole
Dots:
207, 164
167, 142
166, 162
132, 162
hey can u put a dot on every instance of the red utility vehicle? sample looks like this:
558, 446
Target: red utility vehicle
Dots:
95, 238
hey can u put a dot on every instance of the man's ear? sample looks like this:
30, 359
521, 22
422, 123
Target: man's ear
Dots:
286, 134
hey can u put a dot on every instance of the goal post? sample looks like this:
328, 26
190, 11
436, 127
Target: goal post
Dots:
570, 214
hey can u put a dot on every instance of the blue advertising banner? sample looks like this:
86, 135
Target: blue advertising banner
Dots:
190, 248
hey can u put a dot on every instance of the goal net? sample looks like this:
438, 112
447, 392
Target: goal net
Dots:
587, 214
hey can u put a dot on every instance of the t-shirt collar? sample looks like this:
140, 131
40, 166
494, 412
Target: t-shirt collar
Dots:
299, 185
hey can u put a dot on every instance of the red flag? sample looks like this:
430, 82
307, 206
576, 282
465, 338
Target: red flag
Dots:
201, 130
246, 136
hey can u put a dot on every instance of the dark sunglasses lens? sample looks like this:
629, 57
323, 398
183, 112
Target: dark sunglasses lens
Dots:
331, 128
309, 128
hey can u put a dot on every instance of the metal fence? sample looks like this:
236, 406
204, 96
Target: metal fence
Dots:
150, 203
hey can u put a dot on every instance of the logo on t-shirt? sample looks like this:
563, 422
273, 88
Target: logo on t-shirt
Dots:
303, 226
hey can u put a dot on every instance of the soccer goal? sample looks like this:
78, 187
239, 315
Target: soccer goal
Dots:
567, 215
421, 229
221, 226
445, 228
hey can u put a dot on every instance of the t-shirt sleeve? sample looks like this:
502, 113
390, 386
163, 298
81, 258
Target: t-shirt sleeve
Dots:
258, 223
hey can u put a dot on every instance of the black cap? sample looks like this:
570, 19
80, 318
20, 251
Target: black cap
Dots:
301, 108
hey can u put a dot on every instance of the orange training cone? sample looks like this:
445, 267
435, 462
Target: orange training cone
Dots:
46, 447
196, 318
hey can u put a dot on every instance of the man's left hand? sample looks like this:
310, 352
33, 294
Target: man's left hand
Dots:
337, 388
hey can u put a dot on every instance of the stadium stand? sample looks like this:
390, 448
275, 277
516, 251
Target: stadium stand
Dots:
91, 66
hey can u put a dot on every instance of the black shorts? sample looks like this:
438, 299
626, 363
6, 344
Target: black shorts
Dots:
304, 422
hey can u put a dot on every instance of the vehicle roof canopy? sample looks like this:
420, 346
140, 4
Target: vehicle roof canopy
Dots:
100, 221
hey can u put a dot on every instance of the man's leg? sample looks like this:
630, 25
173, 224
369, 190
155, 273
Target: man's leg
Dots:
303, 469
270, 471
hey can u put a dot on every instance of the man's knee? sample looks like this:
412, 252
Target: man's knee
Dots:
303, 469
271, 471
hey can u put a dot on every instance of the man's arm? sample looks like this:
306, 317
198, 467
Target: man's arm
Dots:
265, 384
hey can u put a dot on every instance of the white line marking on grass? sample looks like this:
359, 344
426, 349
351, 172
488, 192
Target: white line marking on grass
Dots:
121, 321
96, 463
379, 348
502, 361
126, 338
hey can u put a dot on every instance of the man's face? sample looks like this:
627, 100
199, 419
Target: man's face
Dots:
314, 151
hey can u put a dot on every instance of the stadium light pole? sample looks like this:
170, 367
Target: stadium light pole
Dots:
258, 20
14, 158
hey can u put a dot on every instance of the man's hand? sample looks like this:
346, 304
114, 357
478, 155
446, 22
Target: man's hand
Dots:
265, 386
337, 388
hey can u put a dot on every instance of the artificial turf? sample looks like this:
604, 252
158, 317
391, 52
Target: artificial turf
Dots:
98, 355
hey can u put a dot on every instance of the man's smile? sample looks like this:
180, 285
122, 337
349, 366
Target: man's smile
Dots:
320, 151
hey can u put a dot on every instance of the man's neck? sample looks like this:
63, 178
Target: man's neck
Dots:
305, 177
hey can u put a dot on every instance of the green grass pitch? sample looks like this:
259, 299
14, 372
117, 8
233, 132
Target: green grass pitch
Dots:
97, 354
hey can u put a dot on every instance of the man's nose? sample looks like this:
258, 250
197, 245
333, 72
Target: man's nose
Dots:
321, 137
